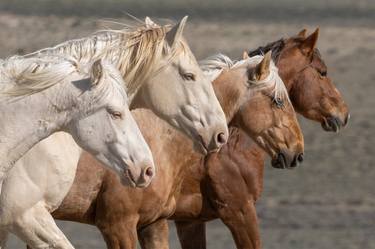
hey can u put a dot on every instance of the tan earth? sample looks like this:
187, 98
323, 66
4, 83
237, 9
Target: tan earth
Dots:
328, 202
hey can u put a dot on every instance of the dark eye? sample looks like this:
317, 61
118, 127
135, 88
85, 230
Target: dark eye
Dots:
188, 76
323, 73
278, 102
116, 115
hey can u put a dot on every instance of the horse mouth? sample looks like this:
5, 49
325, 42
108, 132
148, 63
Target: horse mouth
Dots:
128, 179
333, 124
200, 146
279, 161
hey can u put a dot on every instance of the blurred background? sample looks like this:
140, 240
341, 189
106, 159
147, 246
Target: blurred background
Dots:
328, 202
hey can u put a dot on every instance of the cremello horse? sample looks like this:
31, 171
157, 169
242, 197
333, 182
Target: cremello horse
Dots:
161, 74
164, 77
39, 97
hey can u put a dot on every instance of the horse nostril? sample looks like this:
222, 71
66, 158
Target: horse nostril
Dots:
300, 158
149, 172
221, 138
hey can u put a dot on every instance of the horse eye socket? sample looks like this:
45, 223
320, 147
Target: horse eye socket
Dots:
323, 74
188, 76
278, 102
116, 115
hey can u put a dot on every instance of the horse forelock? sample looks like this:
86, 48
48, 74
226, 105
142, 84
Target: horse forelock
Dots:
214, 65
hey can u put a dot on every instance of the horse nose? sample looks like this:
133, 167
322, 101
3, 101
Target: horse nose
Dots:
300, 158
146, 176
221, 138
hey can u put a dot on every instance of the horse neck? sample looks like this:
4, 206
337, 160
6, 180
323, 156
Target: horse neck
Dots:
37, 116
230, 93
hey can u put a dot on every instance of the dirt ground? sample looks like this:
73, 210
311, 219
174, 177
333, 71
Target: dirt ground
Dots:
328, 202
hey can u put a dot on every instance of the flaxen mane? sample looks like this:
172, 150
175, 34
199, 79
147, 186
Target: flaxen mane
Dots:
214, 65
136, 51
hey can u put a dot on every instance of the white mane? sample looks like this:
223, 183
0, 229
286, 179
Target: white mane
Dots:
19, 76
136, 51
214, 65
25, 76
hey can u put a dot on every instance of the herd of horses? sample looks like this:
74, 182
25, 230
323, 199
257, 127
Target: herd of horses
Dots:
125, 130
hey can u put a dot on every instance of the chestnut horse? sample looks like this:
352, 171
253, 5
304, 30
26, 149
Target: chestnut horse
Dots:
217, 196
97, 196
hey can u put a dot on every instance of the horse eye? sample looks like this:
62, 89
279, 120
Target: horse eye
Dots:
278, 102
323, 74
188, 76
116, 115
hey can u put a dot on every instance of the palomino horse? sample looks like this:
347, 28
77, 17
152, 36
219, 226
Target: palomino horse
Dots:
161, 74
40, 97
313, 95
247, 93
51, 96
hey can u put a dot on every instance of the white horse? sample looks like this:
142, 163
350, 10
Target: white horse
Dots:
161, 74
40, 97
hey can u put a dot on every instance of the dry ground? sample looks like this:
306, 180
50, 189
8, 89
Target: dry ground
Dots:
328, 202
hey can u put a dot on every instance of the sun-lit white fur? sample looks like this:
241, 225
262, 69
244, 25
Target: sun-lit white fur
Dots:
80, 102
155, 58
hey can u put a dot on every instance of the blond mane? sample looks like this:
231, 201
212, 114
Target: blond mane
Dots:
136, 51
214, 65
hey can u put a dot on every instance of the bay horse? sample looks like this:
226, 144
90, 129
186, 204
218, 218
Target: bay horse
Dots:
262, 112
212, 193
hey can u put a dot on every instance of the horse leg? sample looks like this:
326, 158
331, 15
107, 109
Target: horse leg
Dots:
192, 234
155, 235
37, 228
119, 234
243, 224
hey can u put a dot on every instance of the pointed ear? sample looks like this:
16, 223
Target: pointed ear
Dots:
309, 43
262, 70
175, 34
149, 23
302, 33
245, 55
96, 73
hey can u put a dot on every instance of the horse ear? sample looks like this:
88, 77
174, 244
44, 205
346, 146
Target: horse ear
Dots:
175, 34
309, 43
149, 23
302, 33
245, 55
96, 73
262, 70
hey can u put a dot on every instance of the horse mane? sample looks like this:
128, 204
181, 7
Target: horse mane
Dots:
136, 51
275, 47
20, 76
214, 65
26, 76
